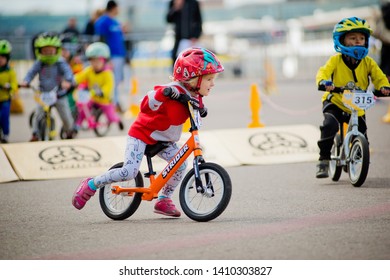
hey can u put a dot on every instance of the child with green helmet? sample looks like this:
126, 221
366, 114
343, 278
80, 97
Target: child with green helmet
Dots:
8, 87
54, 72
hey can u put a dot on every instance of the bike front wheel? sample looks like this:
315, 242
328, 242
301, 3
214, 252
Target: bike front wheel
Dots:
334, 166
203, 207
120, 206
46, 133
102, 123
359, 161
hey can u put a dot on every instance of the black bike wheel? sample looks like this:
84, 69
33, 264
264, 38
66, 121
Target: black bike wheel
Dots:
335, 168
102, 123
203, 207
31, 119
359, 161
52, 132
43, 131
122, 206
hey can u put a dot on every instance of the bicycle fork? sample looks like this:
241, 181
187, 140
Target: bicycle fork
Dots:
352, 132
208, 188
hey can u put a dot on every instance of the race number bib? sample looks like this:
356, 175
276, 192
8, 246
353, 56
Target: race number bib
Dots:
83, 96
358, 99
196, 116
363, 99
49, 98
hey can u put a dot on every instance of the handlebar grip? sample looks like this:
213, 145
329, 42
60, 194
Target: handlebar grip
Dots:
167, 91
335, 90
378, 93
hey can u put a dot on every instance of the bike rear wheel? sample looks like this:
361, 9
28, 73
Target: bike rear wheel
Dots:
102, 123
203, 207
334, 167
46, 133
359, 161
120, 206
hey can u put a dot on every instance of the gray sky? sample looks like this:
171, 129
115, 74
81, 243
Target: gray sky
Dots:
10, 7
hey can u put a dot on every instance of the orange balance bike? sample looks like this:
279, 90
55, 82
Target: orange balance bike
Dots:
205, 190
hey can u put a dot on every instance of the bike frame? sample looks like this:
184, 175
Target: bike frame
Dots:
192, 145
346, 137
47, 114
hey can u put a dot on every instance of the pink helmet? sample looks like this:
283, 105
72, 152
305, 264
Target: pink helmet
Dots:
194, 62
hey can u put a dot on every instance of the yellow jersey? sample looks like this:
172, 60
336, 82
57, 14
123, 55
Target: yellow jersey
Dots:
337, 71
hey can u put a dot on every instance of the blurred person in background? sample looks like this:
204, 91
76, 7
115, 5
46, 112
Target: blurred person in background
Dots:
98, 79
382, 32
8, 87
187, 19
53, 73
71, 28
111, 33
90, 26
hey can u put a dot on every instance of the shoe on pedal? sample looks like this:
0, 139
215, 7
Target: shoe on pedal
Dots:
322, 169
82, 194
166, 207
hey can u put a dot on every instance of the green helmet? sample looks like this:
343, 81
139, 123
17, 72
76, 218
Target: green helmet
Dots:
47, 39
97, 49
5, 47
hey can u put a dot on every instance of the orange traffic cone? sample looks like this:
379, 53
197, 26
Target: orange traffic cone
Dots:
386, 118
255, 106
133, 109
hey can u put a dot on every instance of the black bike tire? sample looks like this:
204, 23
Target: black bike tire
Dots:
31, 119
365, 162
42, 129
63, 133
132, 207
53, 127
99, 113
223, 203
338, 169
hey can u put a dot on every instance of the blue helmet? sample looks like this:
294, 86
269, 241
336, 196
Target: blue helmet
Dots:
352, 24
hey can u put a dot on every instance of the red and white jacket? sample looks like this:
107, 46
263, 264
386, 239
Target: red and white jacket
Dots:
160, 117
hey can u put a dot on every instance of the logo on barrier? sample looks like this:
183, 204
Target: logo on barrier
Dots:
273, 143
61, 154
70, 157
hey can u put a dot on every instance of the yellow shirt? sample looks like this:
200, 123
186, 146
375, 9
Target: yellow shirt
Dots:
8, 77
337, 71
103, 81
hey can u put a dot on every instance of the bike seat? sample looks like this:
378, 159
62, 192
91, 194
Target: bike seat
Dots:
152, 150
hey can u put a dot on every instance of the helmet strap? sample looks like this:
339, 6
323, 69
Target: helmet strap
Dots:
196, 88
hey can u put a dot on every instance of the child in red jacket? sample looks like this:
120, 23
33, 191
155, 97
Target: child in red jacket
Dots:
161, 119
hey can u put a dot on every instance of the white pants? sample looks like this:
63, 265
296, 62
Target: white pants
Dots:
134, 153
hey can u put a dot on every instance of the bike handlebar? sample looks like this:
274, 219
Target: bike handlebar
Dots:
184, 98
376, 92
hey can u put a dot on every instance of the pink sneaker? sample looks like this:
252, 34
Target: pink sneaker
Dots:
166, 207
82, 194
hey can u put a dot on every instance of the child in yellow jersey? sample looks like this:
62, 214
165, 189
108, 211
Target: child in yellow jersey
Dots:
350, 38
8, 86
99, 80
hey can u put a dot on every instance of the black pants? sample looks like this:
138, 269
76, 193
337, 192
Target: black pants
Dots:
333, 118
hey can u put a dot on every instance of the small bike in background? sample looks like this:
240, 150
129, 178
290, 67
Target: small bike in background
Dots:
204, 193
93, 116
46, 122
350, 151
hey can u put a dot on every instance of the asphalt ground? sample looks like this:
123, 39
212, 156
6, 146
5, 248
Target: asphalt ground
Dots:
277, 212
